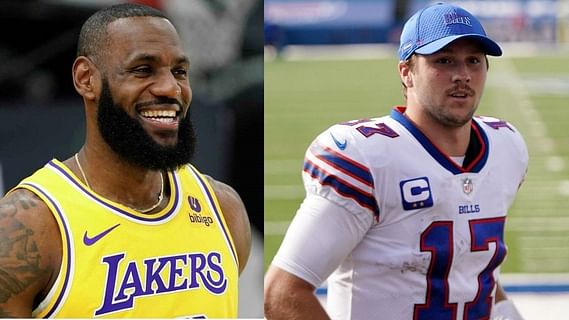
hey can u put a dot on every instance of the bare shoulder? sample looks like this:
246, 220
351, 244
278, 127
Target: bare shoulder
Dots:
30, 252
236, 217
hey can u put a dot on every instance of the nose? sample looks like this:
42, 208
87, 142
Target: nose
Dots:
166, 85
461, 74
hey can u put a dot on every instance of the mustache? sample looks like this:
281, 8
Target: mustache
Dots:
158, 102
461, 88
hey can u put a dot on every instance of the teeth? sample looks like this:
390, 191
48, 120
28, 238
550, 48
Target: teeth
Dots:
158, 113
163, 120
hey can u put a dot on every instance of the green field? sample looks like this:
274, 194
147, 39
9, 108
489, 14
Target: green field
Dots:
305, 97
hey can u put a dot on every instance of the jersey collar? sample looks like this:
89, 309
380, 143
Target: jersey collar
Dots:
162, 216
478, 148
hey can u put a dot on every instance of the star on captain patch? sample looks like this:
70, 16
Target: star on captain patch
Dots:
467, 186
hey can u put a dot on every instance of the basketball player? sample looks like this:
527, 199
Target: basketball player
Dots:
126, 227
404, 214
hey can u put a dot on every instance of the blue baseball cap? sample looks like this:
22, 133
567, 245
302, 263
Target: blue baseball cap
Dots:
432, 28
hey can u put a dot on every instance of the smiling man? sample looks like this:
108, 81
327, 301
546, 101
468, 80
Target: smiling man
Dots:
404, 214
126, 227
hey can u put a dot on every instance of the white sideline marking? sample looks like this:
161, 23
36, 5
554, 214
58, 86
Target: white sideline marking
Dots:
541, 306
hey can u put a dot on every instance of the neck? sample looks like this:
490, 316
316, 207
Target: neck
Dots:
118, 181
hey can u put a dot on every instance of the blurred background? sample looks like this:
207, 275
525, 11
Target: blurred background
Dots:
42, 116
312, 22
331, 61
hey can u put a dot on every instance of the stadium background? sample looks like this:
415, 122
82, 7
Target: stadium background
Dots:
331, 61
42, 116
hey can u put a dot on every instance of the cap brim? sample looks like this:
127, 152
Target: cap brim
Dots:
490, 47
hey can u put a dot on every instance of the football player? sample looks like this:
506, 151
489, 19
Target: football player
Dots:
404, 214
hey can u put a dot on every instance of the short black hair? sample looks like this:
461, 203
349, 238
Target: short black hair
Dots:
94, 31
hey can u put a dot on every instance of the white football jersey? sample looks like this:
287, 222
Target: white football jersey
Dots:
435, 249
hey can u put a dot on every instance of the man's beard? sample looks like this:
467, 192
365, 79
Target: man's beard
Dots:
130, 141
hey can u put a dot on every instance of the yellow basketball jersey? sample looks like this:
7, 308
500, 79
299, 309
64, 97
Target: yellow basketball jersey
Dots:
117, 262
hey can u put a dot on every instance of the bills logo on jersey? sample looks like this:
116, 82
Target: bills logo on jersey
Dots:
416, 193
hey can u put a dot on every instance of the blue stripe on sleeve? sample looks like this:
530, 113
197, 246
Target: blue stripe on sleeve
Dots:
342, 187
346, 165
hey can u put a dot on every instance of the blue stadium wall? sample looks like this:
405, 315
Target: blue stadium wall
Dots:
320, 22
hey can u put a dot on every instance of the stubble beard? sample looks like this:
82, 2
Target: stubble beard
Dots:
444, 116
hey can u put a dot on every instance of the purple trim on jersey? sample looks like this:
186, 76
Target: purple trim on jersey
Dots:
209, 196
342, 187
346, 165
497, 124
437, 154
69, 252
117, 209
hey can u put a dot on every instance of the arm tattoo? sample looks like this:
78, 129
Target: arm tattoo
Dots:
19, 254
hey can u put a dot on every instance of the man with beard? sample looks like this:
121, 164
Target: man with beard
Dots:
404, 214
127, 227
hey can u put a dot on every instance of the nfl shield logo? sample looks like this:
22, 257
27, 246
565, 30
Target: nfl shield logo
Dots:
467, 186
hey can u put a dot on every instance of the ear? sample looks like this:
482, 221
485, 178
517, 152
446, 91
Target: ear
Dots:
405, 74
85, 78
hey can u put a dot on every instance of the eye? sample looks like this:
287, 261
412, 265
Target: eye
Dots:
142, 70
474, 60
443, 60
180, 72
